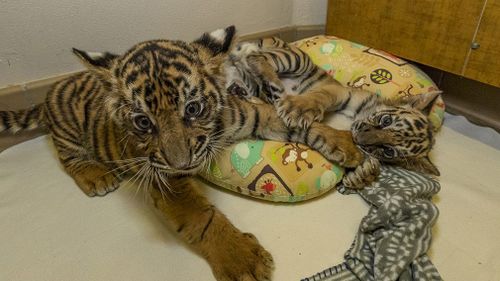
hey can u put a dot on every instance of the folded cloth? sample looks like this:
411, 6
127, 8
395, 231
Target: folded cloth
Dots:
393, 239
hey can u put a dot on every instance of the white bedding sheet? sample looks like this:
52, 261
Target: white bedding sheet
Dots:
49, 230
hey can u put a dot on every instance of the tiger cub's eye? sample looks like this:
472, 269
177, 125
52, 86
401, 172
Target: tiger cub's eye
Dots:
142, 122
389, 152
193, 109
385, 121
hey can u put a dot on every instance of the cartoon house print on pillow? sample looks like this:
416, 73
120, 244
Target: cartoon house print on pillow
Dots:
269, 182
245, 156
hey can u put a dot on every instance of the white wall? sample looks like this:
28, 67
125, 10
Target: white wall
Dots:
309, 12
36, 36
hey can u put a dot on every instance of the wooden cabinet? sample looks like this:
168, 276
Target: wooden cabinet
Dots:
438, 33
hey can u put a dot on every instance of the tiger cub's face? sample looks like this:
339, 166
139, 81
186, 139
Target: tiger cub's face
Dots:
168, 97
399, 132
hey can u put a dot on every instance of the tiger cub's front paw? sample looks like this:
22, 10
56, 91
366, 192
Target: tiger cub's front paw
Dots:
363, 175
299, 111
96, 179
241, 257
335, 145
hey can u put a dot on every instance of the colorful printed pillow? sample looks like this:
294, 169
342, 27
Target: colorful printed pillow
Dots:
286, 172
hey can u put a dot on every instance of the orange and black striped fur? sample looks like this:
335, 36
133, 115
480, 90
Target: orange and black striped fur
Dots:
160, 112
396, 132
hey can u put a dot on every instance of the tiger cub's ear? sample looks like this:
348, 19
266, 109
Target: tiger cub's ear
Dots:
423, 102
215, 46
99, 63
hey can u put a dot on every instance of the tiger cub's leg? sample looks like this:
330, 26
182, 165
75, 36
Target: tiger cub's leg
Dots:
273, 42
318, 91
232, 255
272, 87
335, 145
302, 110
93, 178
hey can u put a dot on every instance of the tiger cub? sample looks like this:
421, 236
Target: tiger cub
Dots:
160, 112
397, 132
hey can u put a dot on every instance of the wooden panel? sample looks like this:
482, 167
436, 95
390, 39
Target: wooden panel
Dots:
484, 63
432, 32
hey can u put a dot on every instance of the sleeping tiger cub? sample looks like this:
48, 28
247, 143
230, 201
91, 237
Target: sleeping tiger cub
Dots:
392, 131
160, 112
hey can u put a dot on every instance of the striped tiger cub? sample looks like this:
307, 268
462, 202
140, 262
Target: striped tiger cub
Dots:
159, 113
392, 131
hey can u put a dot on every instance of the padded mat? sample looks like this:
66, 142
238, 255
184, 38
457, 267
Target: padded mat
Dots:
50, 231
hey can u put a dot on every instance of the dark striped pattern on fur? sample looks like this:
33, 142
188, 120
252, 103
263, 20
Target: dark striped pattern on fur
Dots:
26, 119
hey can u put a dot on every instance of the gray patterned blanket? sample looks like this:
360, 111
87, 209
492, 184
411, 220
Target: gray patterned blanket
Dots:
393, 239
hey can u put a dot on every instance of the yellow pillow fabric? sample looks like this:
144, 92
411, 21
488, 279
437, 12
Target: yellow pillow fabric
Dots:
286, 172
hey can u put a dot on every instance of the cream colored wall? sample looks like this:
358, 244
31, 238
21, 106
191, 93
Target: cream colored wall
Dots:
36, 36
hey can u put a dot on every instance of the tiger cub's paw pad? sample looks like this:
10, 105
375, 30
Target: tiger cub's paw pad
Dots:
243, 258
363, 175
298, 111
96, 180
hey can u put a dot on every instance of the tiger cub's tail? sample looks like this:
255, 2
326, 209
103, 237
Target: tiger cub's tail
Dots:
25, 119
